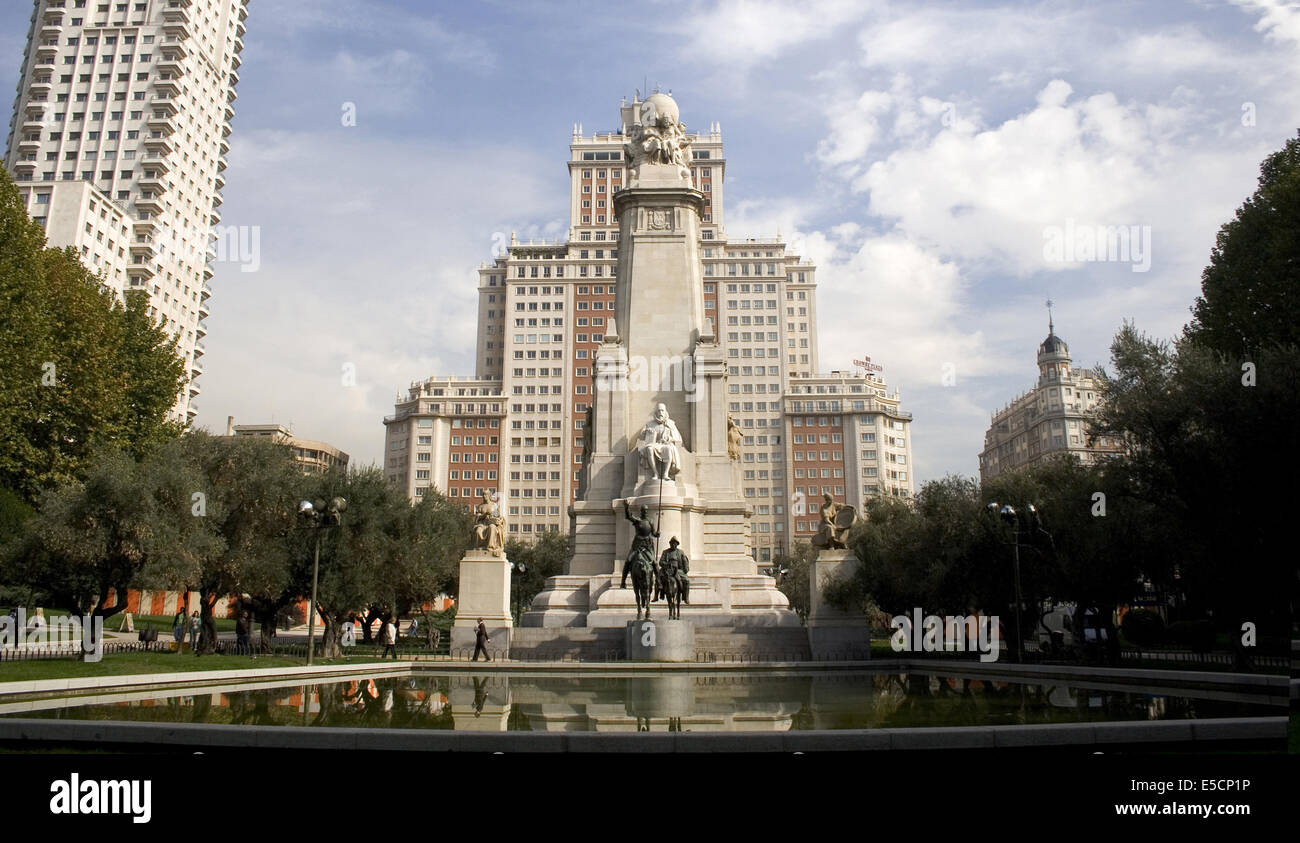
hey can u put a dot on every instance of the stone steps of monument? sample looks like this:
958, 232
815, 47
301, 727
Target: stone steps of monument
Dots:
552, 643
599, 644
788, 642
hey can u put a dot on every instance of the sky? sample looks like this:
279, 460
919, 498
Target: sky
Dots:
945, 165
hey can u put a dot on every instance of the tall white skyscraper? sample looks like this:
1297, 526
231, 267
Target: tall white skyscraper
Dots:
118, 143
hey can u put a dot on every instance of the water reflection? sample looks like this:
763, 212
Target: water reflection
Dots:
731, 702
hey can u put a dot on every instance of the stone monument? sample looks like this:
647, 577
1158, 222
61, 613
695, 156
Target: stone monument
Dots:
484, 581
659, 434
832, 632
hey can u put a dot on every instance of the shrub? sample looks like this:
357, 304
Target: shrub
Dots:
1144, 628
1195, 635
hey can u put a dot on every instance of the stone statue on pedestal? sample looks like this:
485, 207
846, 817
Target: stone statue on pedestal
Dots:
673, 582
658, 446
489, 527
835, 523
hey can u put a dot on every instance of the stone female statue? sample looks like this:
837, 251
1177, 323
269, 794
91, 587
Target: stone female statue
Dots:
489, 527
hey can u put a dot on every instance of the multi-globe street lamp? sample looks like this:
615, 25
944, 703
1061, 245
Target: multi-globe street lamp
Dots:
517, 570
318, 515
1009, 515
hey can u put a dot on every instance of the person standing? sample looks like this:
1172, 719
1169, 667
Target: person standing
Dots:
178, 627
480, 642
195, 625
390, 638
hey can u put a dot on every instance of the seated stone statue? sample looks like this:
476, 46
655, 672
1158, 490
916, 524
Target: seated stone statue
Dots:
489, 527
836, 521
658, 446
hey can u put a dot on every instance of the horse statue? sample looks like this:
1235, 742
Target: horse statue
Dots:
643, 580
673, 583
640, 562
668, 588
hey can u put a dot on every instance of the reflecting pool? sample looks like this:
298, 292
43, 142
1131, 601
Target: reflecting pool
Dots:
732, 701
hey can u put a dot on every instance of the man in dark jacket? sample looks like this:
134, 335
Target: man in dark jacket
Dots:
480, 642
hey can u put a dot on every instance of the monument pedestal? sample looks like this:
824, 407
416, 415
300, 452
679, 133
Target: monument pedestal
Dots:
833, 632
660, 641
484, 593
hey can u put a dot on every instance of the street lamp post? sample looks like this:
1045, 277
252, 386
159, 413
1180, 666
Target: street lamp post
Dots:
1008, 514
318, 515
517, 569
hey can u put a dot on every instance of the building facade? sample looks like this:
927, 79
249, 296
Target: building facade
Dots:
845, 437
544, 308
118, 142
1050, 419
312, 455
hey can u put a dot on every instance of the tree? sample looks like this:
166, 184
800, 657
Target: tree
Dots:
434, 539
79, 369
792, 572
130, 523
1250, 292
542, 558
251, 488
1210, 419
357, 557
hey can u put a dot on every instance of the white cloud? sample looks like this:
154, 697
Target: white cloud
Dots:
741, 33
1279, 21
353, 271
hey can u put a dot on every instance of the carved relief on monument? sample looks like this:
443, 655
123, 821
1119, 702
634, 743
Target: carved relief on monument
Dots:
659, 219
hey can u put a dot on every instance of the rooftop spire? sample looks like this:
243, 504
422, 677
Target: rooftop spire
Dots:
1051, 328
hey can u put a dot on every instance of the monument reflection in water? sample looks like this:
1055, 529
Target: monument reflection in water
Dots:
699, 702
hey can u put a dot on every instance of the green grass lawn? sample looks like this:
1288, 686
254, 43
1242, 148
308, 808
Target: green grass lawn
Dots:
163, 623
159, 622
127, 663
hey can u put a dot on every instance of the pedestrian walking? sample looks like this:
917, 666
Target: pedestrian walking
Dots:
389, 638
480, 642
178, 627
195, 625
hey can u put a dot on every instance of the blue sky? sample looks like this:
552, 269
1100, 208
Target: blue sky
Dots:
921, 153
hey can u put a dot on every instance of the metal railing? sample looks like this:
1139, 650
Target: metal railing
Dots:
74, 651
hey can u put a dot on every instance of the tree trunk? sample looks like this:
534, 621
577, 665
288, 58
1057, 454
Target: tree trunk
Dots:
372, 614
331, 645
266, 632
